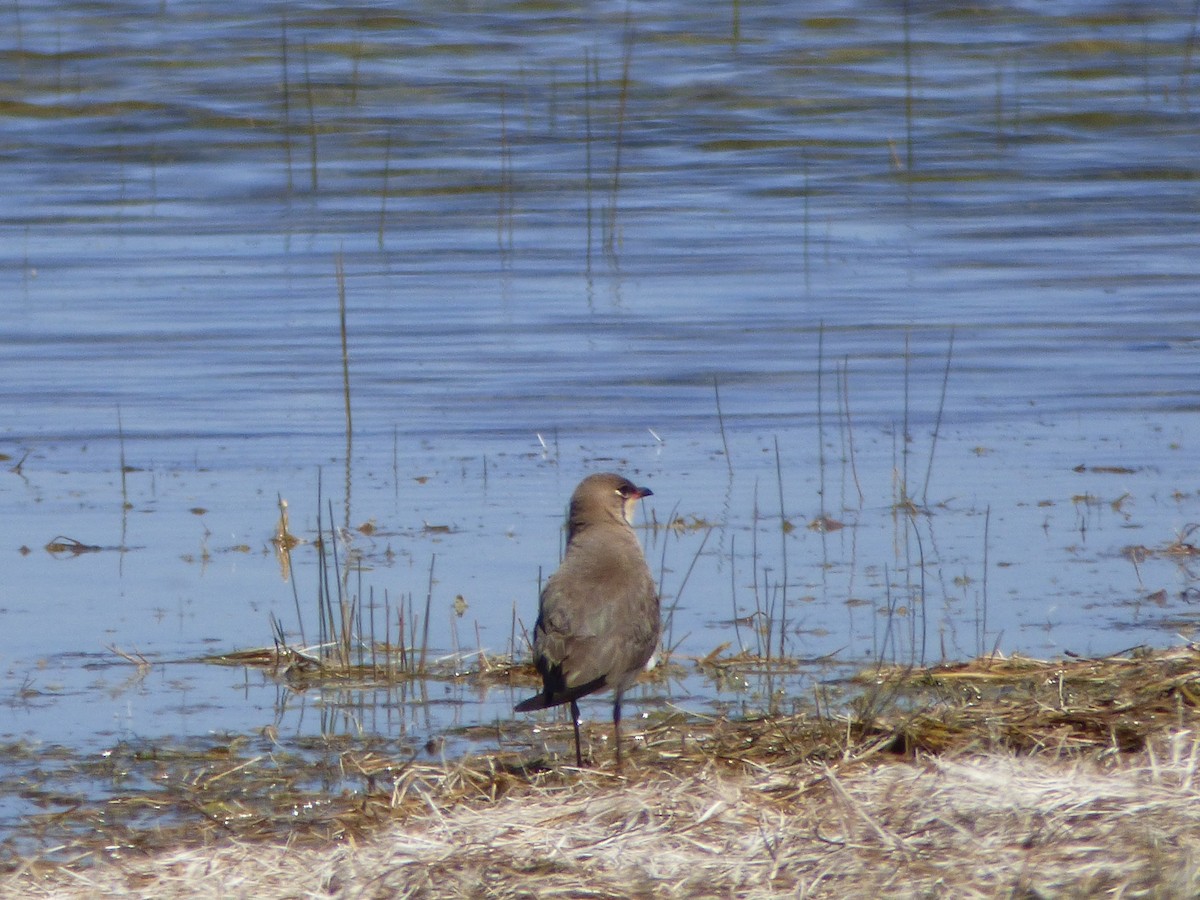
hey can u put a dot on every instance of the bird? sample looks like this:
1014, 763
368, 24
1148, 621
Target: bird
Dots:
599, 621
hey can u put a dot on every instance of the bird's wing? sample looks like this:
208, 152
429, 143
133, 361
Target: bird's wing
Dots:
598, 625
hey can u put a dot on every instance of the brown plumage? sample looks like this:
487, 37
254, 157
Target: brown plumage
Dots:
598, 619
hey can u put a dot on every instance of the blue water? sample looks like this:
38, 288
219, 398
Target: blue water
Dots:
547, 265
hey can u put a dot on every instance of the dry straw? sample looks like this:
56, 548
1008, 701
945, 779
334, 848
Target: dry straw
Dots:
1003, 778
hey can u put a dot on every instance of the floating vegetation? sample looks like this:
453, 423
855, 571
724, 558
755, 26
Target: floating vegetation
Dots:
63, 546
1182, 548
384, 665
1114, 704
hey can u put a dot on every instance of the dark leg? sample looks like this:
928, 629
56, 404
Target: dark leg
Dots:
617, 728
575, 722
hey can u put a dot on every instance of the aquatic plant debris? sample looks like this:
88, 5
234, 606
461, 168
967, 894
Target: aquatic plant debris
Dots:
999, 777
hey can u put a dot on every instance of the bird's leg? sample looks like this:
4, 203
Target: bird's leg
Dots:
575, 722
617, 728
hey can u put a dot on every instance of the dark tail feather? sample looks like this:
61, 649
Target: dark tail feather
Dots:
537, 701
549, 698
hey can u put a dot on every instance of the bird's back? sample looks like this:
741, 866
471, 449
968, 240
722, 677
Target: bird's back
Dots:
599, 620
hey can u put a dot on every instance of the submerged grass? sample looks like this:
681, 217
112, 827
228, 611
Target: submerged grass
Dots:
1000, 777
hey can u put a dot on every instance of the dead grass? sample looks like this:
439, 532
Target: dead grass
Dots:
1003, 778
968, 826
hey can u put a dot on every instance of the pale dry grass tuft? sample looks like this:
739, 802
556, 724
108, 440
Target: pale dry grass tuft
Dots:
994, 825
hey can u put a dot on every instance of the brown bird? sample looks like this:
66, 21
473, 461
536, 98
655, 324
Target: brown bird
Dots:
598, 619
